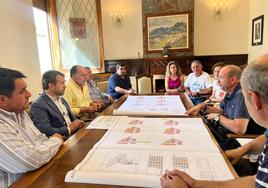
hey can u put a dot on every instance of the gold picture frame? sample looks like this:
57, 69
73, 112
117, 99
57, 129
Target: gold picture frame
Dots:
172, 31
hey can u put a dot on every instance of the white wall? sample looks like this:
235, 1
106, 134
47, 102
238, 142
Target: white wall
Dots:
228, 35
18, 49
257, 8
225, 35
124, 42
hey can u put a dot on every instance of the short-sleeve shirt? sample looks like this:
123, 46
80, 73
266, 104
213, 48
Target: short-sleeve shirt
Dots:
262, 173
198, 83
76, 97
116, 81
234, 106
219, 93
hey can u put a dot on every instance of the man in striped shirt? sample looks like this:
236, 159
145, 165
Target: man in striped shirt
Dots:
22, 147
254, 83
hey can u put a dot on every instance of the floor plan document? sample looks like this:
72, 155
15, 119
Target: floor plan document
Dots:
162, 105
104, 122
136, 152
143, 168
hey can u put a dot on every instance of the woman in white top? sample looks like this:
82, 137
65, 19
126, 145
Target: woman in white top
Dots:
217, 93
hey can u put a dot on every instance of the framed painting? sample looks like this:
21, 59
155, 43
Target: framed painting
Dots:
257, 31
169, 31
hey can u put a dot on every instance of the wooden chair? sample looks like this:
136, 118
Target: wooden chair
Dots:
133, 81
101, 80
144, 84
158, 79
102, 85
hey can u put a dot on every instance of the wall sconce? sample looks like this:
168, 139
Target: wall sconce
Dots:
117, 18
220, 7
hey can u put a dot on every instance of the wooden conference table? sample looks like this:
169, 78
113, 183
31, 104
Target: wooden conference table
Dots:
73, 152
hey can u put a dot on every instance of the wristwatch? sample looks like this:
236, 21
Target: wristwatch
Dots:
205, 107
217, 118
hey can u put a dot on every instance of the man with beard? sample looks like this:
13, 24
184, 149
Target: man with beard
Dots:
50, 112
119, 83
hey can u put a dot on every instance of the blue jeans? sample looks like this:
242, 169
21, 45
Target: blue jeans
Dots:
197, 100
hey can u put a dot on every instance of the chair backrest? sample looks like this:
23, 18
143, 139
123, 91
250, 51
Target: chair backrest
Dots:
102, 85
144, 84
158, 82
133, 81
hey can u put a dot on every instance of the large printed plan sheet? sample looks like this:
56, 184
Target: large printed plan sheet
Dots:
143, 168
162, 105
137, 151
104, 122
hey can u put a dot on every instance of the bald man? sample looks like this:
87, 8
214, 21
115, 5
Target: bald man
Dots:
232, 113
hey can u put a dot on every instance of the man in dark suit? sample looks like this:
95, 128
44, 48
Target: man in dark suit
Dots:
50, 112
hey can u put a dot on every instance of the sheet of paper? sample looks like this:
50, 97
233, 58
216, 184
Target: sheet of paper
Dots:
136, 151
144, 168
244, 141
167, 125
152, 106
104, 122
158, 141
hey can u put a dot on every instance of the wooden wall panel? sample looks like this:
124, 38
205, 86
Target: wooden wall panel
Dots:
151, 66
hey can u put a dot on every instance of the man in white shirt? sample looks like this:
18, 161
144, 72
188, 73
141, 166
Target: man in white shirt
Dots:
198, 83
22, 147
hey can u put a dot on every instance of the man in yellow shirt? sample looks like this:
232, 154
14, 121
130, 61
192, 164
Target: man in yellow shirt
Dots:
76, 92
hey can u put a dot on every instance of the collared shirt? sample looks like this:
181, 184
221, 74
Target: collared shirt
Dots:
61, 107
23, 147
76, 97
116, 81
262, 173
95, 94
234, 106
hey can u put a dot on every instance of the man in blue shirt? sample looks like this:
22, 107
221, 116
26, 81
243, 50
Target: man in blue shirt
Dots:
232, 113
94, 92
255, 90
119, 83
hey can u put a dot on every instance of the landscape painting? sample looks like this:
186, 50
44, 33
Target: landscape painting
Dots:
168, 31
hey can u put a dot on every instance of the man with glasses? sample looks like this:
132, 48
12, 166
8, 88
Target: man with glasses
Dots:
232, 113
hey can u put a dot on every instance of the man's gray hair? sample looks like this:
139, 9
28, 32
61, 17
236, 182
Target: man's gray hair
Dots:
255, 78
197, 62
